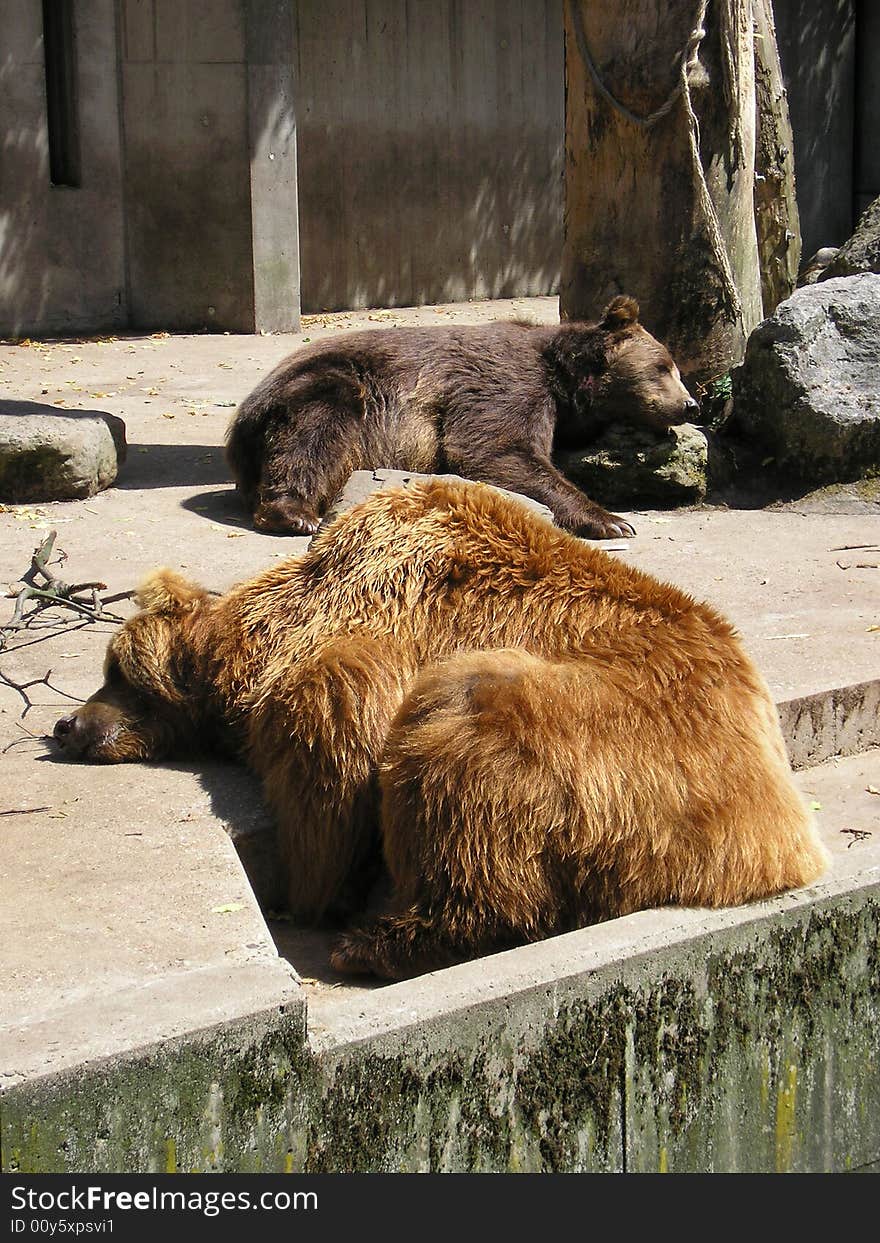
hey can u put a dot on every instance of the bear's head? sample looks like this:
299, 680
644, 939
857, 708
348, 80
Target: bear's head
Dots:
146, 708
615, 371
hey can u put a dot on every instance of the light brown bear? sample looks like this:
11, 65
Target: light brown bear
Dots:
490, 402
558, 738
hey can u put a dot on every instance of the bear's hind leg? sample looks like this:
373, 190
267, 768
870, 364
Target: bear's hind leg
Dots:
477, 812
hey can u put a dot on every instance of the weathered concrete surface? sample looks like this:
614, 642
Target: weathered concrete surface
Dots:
143, 1027
57, 455
62, 248
363, 483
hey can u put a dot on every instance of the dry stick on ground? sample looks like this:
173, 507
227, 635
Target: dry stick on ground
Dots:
47, 591
54, 591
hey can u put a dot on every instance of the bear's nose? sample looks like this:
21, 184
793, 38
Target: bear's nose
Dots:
65, 730
691, 405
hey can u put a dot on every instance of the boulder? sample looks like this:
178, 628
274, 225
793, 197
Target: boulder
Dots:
57, 455
862, 252
808, 390
629, 466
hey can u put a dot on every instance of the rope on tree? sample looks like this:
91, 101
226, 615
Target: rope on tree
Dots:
682, 88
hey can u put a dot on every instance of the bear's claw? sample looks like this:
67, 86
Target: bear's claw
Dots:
612, 527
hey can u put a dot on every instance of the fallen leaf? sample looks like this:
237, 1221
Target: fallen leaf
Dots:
151, 391
814, 806
228, 908
872, 629
872, 790
168, 414
234, 534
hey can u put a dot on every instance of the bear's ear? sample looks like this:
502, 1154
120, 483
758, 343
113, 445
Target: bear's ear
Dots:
167, 592
620, 313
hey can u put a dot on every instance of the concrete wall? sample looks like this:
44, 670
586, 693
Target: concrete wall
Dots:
201, 113
817, 40
666, 1041
430, 155
430, 149
62, 265
186, 162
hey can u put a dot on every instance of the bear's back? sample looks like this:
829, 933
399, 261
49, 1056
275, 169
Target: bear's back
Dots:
468, 562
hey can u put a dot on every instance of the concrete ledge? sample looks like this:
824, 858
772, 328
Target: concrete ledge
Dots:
121, 1024
674, 1040
842, 721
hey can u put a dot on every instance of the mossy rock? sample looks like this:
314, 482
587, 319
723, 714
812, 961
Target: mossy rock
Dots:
630, 466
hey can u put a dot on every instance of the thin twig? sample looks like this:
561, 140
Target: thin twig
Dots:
22, 688
43, 590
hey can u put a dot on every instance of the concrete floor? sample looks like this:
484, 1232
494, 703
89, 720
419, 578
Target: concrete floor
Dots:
125, 915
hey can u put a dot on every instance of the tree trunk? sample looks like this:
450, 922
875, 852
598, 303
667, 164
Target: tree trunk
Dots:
660, 163
776, 214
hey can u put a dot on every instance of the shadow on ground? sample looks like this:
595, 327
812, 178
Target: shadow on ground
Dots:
172, 466
223, 506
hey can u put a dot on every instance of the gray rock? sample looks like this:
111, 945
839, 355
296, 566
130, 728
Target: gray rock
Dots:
862, 252
630, 466
362, 483
808, 390
57, 455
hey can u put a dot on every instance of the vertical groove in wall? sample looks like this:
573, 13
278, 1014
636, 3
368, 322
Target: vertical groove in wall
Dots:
119, 22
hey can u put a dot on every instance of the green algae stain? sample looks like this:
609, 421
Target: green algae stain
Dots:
785, 1121
170, 1155
663, 1166
765, 1079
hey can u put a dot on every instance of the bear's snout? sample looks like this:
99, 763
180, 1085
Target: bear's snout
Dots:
69, 734
92, 732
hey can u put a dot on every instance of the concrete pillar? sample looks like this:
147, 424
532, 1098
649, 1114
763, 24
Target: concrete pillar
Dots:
273, 173
210, 160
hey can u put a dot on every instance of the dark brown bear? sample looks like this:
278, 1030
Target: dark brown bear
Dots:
540, 735
489, 402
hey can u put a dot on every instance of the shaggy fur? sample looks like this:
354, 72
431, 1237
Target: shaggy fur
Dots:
489, 402
559, 738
